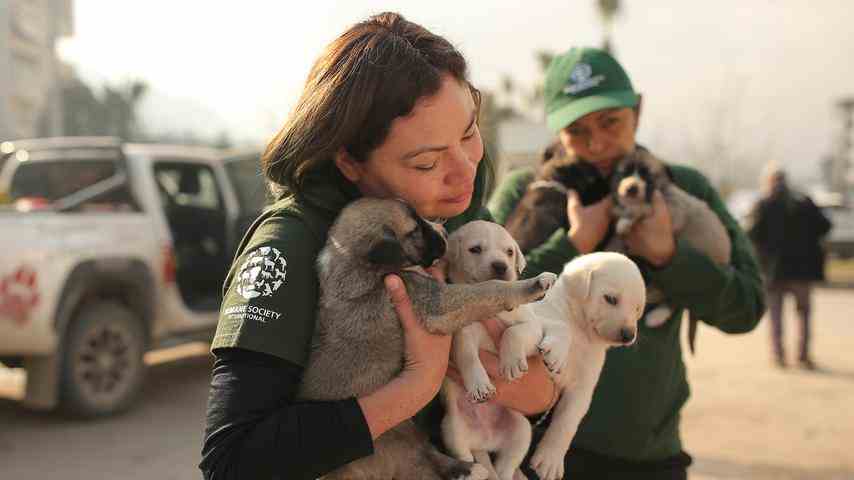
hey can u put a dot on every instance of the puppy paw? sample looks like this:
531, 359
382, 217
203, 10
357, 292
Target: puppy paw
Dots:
543, 282
555, 352
518, 475
657, 316
513, 367
623, 227
477, 472
480, 392
548, 463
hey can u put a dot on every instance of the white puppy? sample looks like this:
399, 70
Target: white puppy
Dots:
480, 251
594, 305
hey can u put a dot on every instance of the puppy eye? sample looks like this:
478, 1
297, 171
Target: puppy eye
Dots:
612, 300
475, 249
509, 252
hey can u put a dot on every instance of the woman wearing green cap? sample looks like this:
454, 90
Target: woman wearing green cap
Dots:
632, 427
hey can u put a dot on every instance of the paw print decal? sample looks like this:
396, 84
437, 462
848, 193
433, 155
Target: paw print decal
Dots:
18, 295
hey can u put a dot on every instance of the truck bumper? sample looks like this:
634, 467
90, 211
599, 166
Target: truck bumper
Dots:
26, 340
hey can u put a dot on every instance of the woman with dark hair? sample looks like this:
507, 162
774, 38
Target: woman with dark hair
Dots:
387, 111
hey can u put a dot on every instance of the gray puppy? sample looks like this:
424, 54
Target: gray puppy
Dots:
358, 343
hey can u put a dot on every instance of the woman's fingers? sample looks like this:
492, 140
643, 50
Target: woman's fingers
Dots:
426, 354
531, 394
400, 300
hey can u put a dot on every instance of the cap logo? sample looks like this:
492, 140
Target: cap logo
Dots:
581, 78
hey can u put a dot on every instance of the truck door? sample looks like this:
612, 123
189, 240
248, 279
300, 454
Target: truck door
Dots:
193, 205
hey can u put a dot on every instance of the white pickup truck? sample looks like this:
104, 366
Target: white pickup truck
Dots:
108, 250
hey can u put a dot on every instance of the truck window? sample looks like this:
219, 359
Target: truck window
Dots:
42, 182
54, 180
187, 185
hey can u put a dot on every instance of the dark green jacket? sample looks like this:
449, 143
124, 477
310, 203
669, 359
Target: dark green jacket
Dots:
635, 410
271, 293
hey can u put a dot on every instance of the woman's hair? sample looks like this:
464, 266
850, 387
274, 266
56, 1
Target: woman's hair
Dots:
370, 75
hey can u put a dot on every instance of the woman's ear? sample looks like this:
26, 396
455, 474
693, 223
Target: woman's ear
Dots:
349, 166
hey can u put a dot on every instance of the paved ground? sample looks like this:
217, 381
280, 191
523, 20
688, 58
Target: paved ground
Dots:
749, 420
745, 420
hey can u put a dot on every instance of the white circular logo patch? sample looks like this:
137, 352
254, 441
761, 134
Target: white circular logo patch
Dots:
580, 73
262, 273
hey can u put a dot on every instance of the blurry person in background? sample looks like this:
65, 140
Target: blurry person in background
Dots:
787, 227
631, 430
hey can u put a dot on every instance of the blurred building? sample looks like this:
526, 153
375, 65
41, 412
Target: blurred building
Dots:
521, 143
30, 87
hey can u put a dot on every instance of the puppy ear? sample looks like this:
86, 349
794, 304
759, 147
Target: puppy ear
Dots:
580, 283
387, 250
521, 263
453, 252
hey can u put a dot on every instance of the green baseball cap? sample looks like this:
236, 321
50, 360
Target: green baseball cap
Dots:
584, 80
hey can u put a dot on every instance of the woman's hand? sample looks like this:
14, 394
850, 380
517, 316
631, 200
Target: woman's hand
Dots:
423, 372
531, 394
652, 238
587, 224
426, 354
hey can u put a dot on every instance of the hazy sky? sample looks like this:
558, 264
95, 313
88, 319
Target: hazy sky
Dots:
758, 78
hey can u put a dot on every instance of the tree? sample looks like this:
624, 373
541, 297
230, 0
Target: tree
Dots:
120, 105
608, 10
112, 112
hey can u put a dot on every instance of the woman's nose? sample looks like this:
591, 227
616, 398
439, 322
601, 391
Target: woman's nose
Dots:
463, 168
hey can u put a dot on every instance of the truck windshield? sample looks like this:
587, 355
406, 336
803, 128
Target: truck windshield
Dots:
38, 184
54, 180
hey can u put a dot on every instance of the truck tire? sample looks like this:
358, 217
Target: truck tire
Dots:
102, 367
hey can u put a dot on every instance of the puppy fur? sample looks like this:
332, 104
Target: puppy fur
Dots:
594, 305
358, 343
542, 208
473, 428
636, 178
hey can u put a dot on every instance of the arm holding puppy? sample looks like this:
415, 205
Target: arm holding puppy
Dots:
531, 394
424, 368
652, 238
728, 297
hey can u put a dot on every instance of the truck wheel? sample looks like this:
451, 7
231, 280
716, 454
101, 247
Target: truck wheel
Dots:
102, 364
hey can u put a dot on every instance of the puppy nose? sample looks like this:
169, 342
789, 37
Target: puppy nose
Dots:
632, 191
627, 335
500, 268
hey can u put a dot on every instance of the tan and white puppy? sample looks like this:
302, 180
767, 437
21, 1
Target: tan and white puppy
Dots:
472, 428
594, 305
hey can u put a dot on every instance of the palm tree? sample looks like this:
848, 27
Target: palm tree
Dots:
608, 10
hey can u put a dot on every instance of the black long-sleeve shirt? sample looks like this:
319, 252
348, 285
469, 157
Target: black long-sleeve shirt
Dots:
256, 430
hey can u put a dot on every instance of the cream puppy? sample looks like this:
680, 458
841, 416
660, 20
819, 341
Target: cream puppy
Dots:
594, 305
480, 251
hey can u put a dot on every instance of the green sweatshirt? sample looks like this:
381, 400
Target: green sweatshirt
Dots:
634, 414
271, 293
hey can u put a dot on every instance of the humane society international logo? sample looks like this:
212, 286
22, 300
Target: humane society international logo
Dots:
581, 78
262, 273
